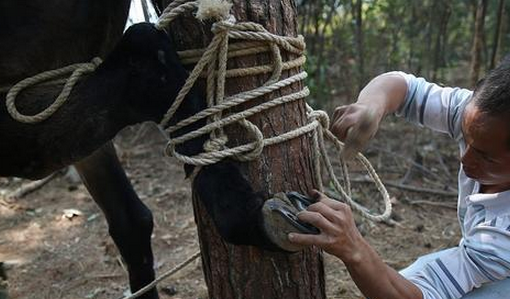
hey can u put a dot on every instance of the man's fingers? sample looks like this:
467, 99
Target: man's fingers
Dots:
316, 219
329, 213
358, 136
330, 203
305, 239
317, 195
355, 125
353, 144
341, 127
338, 113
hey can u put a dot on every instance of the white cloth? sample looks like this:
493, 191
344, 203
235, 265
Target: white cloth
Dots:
492, 290
483, 254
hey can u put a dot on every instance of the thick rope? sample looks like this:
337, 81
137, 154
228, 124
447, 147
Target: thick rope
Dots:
214, 62
76, 70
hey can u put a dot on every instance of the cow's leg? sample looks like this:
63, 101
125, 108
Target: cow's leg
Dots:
242, 216
129, 220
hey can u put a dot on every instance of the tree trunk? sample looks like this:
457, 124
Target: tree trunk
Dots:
477, 41
317, 17
428, 36
357, 14
497, 33
441, 38
244, 271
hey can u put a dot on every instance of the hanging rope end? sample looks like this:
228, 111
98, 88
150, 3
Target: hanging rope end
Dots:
213, 9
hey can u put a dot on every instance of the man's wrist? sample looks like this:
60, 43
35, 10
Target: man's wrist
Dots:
359, 253
376, 105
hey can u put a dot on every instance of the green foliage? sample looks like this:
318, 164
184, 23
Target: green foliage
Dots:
431, 38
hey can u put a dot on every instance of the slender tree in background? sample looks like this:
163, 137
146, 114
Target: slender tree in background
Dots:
497, 33
243, 271
357, 12
476, 49
441, 37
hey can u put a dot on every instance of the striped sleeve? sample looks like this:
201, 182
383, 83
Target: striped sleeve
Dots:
430, 105
483, 256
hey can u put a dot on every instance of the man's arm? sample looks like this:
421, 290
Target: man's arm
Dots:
418, 101
357, 123
340, 237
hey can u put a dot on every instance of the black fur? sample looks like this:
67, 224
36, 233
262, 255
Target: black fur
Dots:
233, 204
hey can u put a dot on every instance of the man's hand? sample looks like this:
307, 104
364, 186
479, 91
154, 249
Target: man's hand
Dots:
339, 235
355, 125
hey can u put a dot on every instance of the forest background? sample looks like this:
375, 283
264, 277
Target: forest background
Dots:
450, 42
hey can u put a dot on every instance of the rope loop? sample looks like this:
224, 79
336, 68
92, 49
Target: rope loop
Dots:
320, 116
76, 70
258, 143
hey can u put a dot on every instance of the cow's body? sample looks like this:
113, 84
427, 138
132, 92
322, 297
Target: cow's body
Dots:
41, 35
137, 82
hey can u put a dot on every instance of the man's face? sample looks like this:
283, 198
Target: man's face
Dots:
487, 155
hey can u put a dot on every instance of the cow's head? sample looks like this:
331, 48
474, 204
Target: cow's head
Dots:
146, 61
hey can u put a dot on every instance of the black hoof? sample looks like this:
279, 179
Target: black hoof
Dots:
279, 218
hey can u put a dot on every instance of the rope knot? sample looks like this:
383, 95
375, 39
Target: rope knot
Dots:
258, 144
216, 144
224, 25
321, 116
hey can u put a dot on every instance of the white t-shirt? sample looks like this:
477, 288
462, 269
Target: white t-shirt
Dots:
483, 254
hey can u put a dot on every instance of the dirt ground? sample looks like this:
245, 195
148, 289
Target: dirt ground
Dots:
49, 255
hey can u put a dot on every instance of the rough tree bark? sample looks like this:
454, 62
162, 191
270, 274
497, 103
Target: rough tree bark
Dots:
243, 271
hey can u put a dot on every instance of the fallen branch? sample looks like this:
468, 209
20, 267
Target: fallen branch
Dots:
30, 187
413, 163
433, 203
407, 187
9, 205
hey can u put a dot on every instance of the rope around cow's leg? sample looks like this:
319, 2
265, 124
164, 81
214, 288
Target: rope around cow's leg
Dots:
208, 59
214, 61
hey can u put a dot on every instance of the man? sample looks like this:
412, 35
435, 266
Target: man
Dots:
480, 123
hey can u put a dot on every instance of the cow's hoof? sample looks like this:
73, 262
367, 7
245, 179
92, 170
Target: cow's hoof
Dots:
279, 215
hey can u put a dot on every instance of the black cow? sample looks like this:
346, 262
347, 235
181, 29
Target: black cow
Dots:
137, 82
